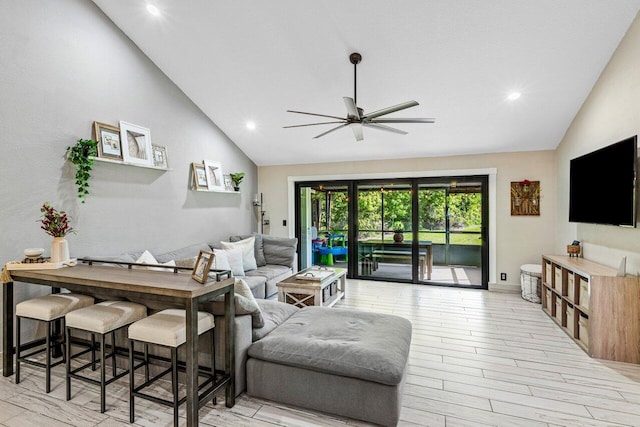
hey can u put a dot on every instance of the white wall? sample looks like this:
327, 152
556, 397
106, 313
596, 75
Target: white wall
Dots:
64, 64
519, 239
610, 113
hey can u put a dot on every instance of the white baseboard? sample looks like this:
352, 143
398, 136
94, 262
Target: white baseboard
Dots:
505, 287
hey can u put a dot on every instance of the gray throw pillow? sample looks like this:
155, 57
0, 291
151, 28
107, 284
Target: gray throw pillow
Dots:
259, 247
279, 250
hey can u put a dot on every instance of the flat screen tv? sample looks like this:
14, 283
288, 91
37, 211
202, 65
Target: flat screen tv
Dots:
602, 186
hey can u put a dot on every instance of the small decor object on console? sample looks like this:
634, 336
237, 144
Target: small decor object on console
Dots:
574, 249
56, 224
202, 266
525, 198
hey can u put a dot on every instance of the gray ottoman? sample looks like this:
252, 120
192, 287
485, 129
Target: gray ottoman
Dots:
334, 360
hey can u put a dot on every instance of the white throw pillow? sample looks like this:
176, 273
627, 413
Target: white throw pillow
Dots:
148, 258
235, 261
248, 252
220, 261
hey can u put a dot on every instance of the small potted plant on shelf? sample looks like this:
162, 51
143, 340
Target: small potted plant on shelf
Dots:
81, 155
398, 231
236, 179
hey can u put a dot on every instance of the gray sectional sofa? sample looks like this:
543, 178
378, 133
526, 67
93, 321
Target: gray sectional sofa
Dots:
338, 361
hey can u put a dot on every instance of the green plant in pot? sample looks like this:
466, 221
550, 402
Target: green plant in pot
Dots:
236, 179
81, 155
398, 230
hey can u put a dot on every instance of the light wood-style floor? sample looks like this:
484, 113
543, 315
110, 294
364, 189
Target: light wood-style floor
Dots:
478, 358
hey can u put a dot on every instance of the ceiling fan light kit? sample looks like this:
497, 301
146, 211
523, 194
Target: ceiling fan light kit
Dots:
356, 118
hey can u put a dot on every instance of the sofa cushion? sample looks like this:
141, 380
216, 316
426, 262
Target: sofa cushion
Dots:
257, 285
258, 247
245, 303
248, 252
183, 253
357, 344
269, 271
274, 314
279, 250
221, 260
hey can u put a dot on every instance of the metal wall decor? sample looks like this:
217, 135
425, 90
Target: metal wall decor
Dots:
525, 198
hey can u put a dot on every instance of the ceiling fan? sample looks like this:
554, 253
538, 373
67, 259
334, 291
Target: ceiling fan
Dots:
356, 118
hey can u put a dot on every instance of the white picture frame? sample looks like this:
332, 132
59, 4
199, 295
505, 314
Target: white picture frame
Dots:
160, 159
215, 177
136, 144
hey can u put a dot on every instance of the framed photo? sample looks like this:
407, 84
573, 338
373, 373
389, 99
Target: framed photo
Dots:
202, 266
108, 138
214, 175
199, 176
228, 185
136, 144
160, 157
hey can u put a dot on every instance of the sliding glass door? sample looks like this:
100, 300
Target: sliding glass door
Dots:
417, 230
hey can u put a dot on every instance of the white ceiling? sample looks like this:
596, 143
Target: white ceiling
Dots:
241, 60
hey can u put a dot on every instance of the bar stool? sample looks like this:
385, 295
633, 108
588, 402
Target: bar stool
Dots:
167, 328
100, 319
48, 309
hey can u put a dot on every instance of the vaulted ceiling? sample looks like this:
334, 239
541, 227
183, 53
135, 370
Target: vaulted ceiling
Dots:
246, 61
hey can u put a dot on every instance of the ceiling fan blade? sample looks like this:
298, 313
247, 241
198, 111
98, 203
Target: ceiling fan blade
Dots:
403, 121
311, 124
390, 110
315, 114
384, 128
357, 132
352, 109
331, 130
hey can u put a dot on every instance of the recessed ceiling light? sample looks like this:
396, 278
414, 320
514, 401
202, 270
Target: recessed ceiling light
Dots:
513, 96
251, 125
153, 10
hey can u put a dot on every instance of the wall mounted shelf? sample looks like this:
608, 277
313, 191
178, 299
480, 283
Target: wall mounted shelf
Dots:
215, 191
119, 162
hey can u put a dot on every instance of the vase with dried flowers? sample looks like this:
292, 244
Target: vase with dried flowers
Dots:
56, 224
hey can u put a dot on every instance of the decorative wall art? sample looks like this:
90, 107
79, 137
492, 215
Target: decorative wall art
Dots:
199, 176
108, 138
525, 198
136, 144
160, 157
228, 185
214, 175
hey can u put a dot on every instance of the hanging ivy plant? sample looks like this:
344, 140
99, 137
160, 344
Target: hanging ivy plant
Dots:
81, 155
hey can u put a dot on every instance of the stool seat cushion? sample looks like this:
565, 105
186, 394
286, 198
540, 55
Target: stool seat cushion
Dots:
168, 327
54, 306
368, 346
106, 316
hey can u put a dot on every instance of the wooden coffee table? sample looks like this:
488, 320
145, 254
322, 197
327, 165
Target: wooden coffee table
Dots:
302, 292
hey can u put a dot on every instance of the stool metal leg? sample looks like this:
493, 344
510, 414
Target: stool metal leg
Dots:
146, 362
213, 361
174, 383
103, 369
113, 352
67, 345
132, 409
17, 350
93, 352
47, 374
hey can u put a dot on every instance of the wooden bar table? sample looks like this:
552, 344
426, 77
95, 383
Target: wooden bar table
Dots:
163, 286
